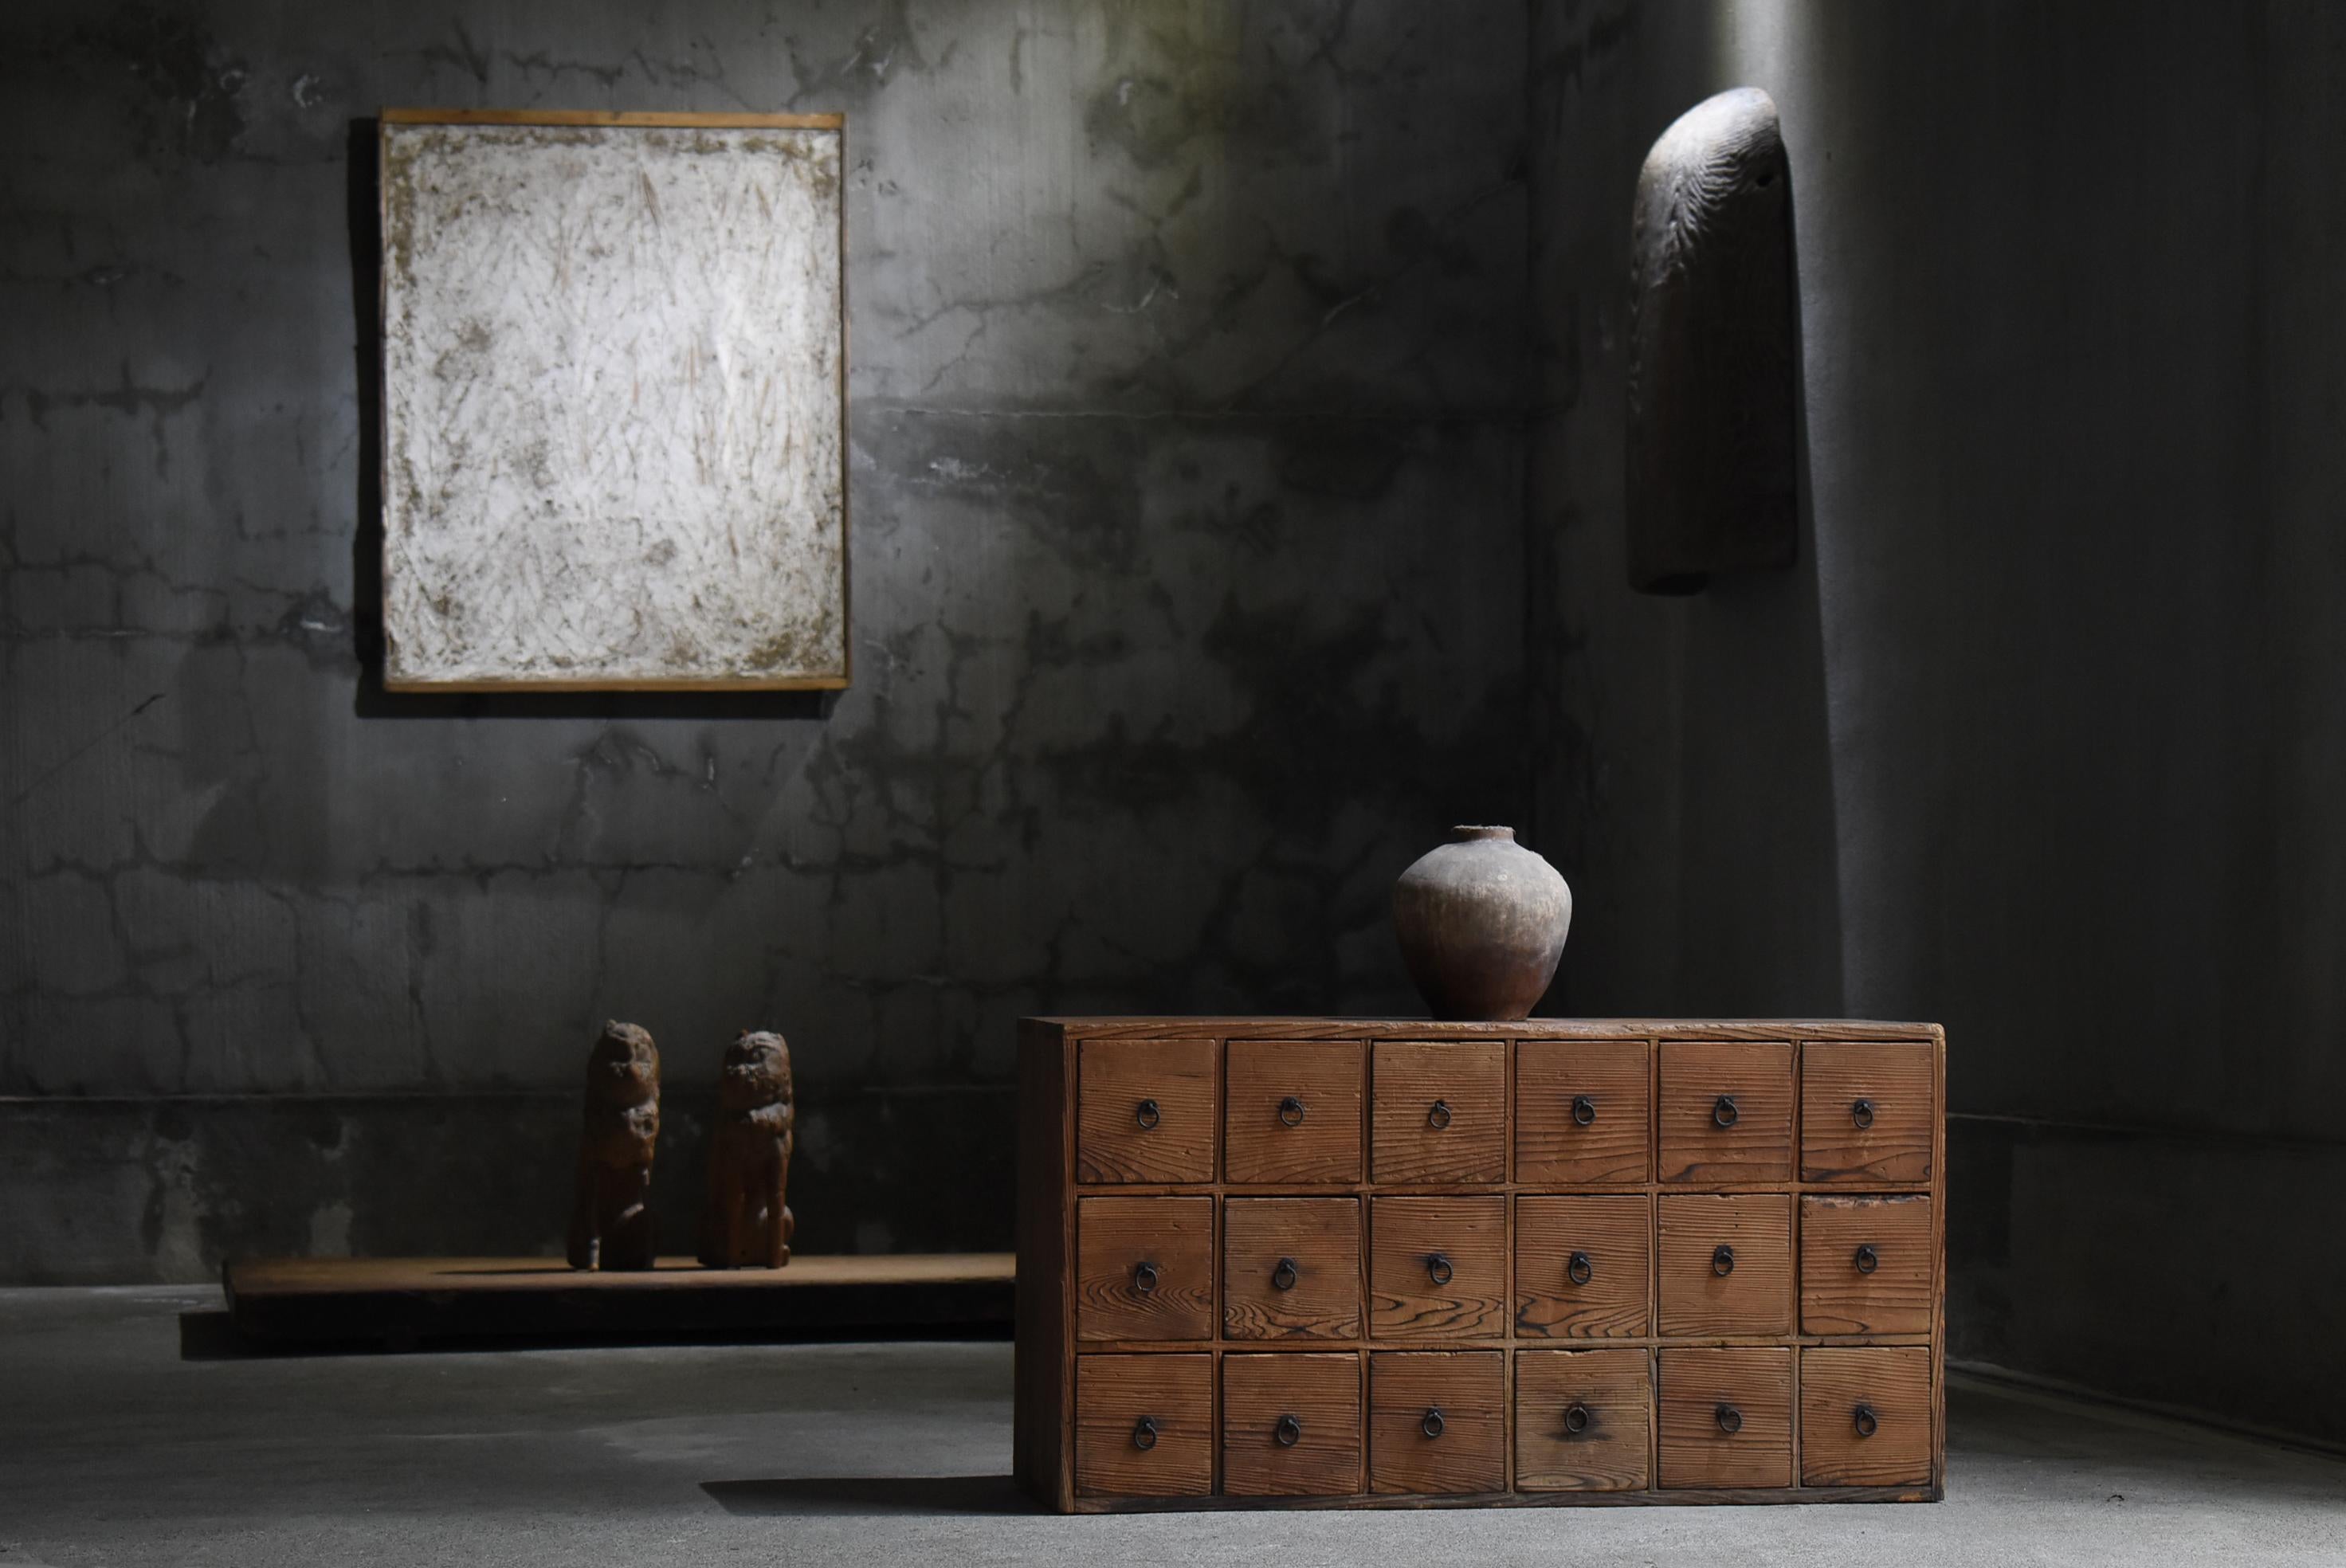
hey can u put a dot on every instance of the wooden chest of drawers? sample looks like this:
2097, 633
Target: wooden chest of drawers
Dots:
1346, 1263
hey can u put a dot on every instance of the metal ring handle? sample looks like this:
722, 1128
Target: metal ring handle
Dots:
1433, 1424
1867, 1260
1576, 1419
1862, 1113
1291, 1112
1578, 1269
1865, 1421
1437, 1268
1143, 1432
1439, 1116
1584, 1110
1723, 1260
1731, 1419
1144, 1278
1146, 1114
1723, 1111
1288, 1431
1284, 1274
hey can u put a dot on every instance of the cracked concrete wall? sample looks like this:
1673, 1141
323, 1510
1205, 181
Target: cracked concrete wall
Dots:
1187, 395
2044, 737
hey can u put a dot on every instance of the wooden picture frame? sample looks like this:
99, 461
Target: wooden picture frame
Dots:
614, 400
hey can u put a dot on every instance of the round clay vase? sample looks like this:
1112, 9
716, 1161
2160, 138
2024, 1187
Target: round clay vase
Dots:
1482, 921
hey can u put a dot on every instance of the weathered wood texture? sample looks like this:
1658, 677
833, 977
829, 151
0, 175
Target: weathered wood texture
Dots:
1539, 1260
611, 1209
1711, 482
411, 1300
748, 1222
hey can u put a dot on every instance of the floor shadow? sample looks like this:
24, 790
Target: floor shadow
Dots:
872, 1494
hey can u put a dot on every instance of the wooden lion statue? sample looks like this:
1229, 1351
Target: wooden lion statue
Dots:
747, 1224
611, 1216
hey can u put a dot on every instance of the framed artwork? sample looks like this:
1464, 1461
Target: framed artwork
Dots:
614, 401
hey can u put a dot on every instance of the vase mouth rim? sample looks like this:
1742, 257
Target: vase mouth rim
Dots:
1467, 830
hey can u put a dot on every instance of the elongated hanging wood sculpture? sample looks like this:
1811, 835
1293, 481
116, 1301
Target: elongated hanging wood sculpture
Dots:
747, 1224
1711, 485
611, 1216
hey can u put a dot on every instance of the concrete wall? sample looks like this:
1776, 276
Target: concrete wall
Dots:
1188, 367
2044, 737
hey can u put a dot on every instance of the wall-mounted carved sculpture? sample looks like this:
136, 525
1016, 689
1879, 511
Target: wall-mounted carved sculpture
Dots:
611, 1216
747, 1224
1713, 377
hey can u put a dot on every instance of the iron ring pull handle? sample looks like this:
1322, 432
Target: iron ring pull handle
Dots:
1723, 1111
1723, 1260
1291, 1112
1437, 1268
1862, 1113
1576, 1419
1584, 1110
1288, 1431
1578, 1269
1439, 1116
1731, 1419
1864, 1420
1144, 1278
1284, 1274
1433, 1424
1866, 1259
1143, 1432
1146, 1114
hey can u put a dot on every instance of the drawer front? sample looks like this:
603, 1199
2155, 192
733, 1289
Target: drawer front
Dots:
1292, 1268
1584, 1266
1726, 1111
1437, 1421
1726, 1264
1437, 1267
1438, 1111
1294, 1112
1581, 1112
1726, 1418
1865, 1415
1866, 1265
1583, 1419
1144, 1269
1144, 1426
1867, 1111
1145, 1111
1291, 1425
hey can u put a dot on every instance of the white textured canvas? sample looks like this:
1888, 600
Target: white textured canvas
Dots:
613, 421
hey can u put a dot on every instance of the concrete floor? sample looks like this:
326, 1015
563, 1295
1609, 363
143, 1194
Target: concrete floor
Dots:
118, 1451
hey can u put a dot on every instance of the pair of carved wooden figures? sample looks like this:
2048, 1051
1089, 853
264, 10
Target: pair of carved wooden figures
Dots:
745, 1223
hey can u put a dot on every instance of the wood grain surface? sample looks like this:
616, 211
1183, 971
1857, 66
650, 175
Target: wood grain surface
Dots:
1321, 1237
1466, 1450
1836, 1297
1146, 1110
1323, 1393
1615, 1232
1757, 1146
1893, 1383
1323, 1077
1754, 1297
1175, 1394
1613, 1451
1465, 1140
1615, 1143
1407, 1235
1894, 1079
1696, 1450
1113, 1237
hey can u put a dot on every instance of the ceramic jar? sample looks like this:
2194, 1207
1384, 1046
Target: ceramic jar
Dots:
1482, 922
